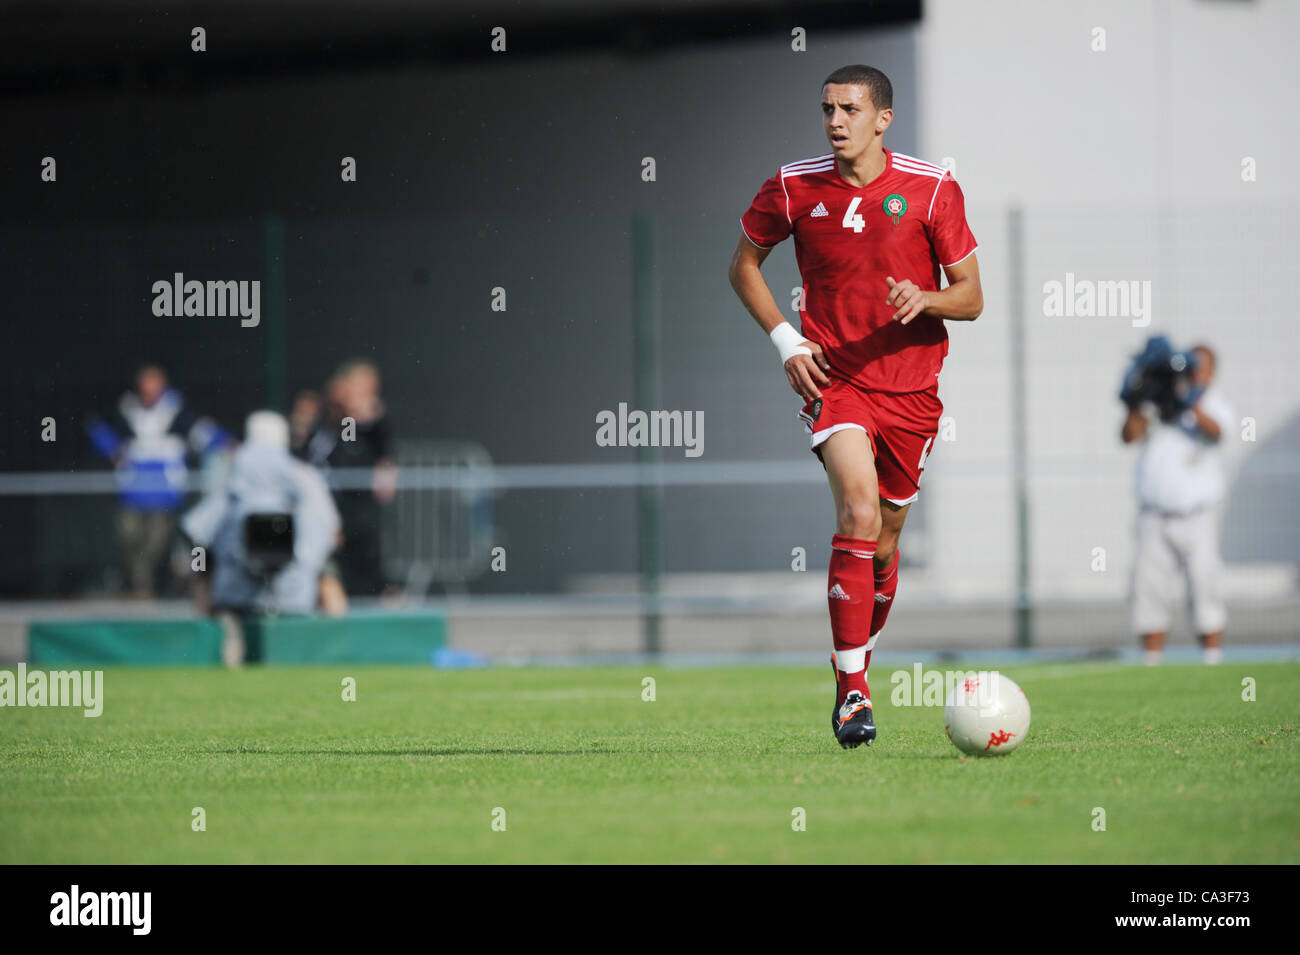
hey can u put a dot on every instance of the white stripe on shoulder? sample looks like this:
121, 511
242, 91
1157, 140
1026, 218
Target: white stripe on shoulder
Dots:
804, 164
806, 171
908, 170
920, 164
921, 169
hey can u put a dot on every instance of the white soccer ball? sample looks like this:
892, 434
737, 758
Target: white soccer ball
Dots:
986, 714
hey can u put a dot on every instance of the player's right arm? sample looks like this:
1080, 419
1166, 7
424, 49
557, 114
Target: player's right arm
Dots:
803, 372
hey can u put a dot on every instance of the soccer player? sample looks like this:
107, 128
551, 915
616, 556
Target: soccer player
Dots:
872, 229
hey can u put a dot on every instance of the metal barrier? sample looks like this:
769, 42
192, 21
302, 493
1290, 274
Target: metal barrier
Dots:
439, 530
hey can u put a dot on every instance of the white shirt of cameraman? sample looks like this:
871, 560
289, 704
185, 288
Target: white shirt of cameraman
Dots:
1180, 469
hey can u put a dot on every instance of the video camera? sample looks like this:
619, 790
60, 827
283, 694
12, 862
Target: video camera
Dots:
268, 542
1163, 377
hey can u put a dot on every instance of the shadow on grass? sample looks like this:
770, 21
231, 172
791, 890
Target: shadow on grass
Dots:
520, 751
249, 751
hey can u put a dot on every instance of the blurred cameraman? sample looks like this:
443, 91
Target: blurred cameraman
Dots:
1180, 487
270, 527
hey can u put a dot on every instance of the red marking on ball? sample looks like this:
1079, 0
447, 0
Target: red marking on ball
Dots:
998, 737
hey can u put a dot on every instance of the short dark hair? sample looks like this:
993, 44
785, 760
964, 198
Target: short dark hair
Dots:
877, 83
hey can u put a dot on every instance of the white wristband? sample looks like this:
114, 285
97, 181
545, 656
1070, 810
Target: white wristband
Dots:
787, 342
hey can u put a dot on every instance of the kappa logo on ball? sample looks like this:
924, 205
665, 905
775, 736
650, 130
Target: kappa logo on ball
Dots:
997, 738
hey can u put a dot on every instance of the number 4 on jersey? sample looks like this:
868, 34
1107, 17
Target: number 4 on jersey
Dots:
851, 219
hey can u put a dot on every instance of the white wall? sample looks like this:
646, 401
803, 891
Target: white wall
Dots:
1128, 164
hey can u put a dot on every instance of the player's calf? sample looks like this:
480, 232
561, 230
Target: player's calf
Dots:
886, 581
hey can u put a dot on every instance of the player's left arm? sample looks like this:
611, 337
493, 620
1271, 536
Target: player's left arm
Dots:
962, 300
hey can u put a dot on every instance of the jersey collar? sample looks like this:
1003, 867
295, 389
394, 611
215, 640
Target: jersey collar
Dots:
889, 167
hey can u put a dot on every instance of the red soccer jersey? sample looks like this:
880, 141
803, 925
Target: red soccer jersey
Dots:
906, 223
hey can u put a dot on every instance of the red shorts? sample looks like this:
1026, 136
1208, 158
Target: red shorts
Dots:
900, 427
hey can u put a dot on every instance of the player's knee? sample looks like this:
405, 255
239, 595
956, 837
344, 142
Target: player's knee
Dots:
860, 517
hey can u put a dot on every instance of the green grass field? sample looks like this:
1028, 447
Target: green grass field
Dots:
711, 771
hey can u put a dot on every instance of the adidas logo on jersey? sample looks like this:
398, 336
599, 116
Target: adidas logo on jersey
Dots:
819, 211
837, 592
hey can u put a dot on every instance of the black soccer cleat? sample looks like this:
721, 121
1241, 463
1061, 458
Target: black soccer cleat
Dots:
852, 721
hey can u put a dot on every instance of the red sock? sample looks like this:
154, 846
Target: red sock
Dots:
886, 586
851, 597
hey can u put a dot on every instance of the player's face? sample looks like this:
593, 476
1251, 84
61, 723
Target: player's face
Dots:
850, 118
